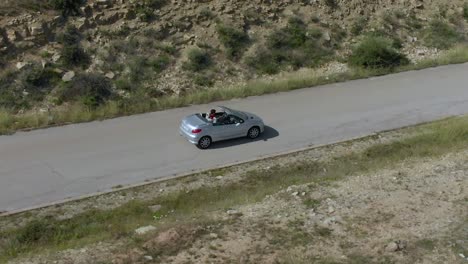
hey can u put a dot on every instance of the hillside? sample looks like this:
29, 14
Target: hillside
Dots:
55, 54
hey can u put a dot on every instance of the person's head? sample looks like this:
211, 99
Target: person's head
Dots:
212, 111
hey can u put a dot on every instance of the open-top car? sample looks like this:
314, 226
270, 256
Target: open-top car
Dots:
202, 129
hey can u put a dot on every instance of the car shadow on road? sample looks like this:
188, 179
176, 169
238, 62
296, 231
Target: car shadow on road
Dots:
268, 134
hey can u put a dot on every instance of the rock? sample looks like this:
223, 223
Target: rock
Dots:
110, 75
234, 212
331, 209
68, 76
327, 36
21, 64
12, 35
155, 208
213, 235
148, 257
295, 193
82, 23
56, 57
392, 247
330, 221
395, 246
36, 29
145, 229
167, 238
219, 177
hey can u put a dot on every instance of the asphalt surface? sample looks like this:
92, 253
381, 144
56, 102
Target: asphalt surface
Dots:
49, 165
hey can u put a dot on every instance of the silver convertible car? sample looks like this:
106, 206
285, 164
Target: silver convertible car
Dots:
205, 128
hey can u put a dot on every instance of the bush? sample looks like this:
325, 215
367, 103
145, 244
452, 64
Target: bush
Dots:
234, 40
331, 4
74, 55
206, 13
376, 52
92, 89
159, 63
155, 4
146, 8
441, 35
141, 67
198, 60
68, 7
359, 25
72, 52
265, 62
295, 45
204, 80
465, 11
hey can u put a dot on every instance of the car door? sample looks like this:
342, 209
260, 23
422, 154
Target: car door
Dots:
233, 127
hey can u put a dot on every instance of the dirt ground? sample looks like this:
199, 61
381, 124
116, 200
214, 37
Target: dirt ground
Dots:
415, 212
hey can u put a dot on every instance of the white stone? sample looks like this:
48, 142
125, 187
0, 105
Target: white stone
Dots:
145, 229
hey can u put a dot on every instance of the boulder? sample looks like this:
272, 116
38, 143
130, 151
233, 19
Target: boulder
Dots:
68, 76
145, 229
36, 29
21, 64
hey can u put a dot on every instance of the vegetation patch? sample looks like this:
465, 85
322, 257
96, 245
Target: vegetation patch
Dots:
198, 60
441, 35
377, 52
90, 88
296, 45
234, 40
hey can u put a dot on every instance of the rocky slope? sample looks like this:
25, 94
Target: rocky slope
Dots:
153, 48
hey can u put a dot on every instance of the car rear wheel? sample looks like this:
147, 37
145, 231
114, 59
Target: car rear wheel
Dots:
253, 133
204, 142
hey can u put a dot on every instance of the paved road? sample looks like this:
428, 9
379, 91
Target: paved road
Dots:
49, 165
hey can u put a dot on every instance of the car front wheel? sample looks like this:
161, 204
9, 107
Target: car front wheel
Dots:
253, 133
204, 142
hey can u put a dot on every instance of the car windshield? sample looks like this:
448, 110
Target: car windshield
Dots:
234, 112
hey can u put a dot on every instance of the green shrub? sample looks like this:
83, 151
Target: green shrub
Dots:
74, 55
331, 3
70, 36
253, 17
124, 84
167, 48
376, 52
295, 45
412, 22
159, 63
198, 60
234, 40
359, 25
441, 35
92, 89
465, 11
34, 232
68, 7
264, 62
204, 80
142, 67
393, 38
146, 8
206, 13
155, 4
72, 52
